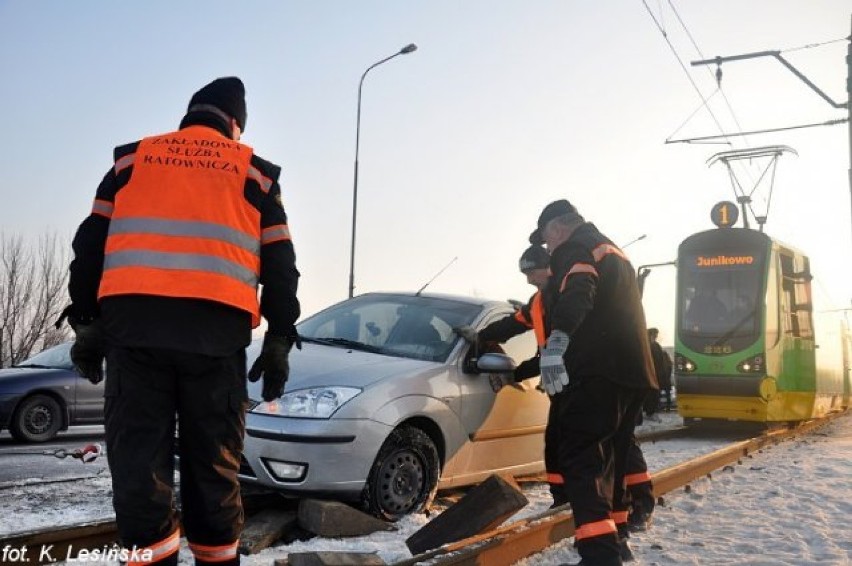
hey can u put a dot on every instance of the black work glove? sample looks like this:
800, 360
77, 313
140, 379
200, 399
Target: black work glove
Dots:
89, 351
273, 365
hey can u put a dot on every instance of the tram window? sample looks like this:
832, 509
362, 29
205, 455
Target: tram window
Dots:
796, 296
716, 301
721, 301
772, 307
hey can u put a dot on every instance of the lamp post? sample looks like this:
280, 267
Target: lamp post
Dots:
405, 50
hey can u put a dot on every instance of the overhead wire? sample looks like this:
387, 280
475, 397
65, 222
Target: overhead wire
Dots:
718, 78
683, 66
812, 45
707, 139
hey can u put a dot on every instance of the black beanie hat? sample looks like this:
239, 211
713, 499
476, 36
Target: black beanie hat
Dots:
227, 94
534, 257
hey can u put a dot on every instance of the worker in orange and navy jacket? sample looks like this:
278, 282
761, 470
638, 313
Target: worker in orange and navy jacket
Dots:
164, 281
534, 264
597, 368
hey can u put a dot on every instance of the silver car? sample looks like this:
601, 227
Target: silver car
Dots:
385, 404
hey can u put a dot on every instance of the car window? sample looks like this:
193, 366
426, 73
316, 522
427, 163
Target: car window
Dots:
397, 325
58, 357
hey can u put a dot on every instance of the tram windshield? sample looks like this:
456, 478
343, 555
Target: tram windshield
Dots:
721, 301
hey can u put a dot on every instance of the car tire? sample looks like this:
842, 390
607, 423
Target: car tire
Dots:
37, 419
404, 476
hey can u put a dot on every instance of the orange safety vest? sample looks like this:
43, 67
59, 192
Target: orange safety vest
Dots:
181, 226
537, 319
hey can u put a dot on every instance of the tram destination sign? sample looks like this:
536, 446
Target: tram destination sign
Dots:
723, 260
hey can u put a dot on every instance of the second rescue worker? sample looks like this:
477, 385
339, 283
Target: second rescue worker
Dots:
184, 228
597, 368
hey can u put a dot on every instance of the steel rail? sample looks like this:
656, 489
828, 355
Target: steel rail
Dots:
502, 546
515, 541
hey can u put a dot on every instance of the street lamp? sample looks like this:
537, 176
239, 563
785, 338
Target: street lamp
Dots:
404, 51
633, 241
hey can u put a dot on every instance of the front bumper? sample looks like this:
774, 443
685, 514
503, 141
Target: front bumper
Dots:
337, 453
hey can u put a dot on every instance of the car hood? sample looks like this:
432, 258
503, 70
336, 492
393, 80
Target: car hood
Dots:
317, 365
11, 377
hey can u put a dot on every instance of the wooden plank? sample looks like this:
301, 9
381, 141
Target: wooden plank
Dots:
483, 508
263, 529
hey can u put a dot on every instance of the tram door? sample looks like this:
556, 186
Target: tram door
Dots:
798, 370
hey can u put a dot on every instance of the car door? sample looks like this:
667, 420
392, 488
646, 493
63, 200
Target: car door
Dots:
88, 401
506, 428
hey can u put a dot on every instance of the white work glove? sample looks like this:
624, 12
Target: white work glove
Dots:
470, 334
554, 376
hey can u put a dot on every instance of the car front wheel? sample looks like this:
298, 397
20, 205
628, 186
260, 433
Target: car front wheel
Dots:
37, 419
404, 476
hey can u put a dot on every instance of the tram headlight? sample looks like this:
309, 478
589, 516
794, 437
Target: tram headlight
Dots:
684, 364
754, 364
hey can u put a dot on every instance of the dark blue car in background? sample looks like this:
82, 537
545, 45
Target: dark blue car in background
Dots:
44, 395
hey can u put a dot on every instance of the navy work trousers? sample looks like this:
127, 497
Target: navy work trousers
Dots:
148, 392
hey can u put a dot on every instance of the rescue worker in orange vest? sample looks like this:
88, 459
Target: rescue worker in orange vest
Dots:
534, 264
597, 368
164, 281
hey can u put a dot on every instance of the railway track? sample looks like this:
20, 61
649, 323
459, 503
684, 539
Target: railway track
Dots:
514, 541
505, 545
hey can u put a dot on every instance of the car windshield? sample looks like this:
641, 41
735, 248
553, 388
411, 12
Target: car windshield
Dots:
58, 357
396, 325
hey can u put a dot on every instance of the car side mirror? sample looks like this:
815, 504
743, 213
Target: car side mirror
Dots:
495, 363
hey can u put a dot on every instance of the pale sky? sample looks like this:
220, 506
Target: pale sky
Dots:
504, 107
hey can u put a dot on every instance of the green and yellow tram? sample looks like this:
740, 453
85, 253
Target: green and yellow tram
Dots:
750, 345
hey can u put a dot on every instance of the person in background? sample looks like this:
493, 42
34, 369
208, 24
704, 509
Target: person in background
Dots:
597, 368
164, 284
662, 369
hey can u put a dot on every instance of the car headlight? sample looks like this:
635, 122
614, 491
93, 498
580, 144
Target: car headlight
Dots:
319, 403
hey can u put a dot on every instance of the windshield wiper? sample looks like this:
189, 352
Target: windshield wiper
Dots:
346, 342
33, 366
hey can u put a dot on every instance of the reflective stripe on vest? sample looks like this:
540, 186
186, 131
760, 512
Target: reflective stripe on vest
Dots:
181, 227
189, 229
219, 553
157, 551
180, 262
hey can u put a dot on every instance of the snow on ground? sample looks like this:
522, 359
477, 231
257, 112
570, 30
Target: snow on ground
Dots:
787, 505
